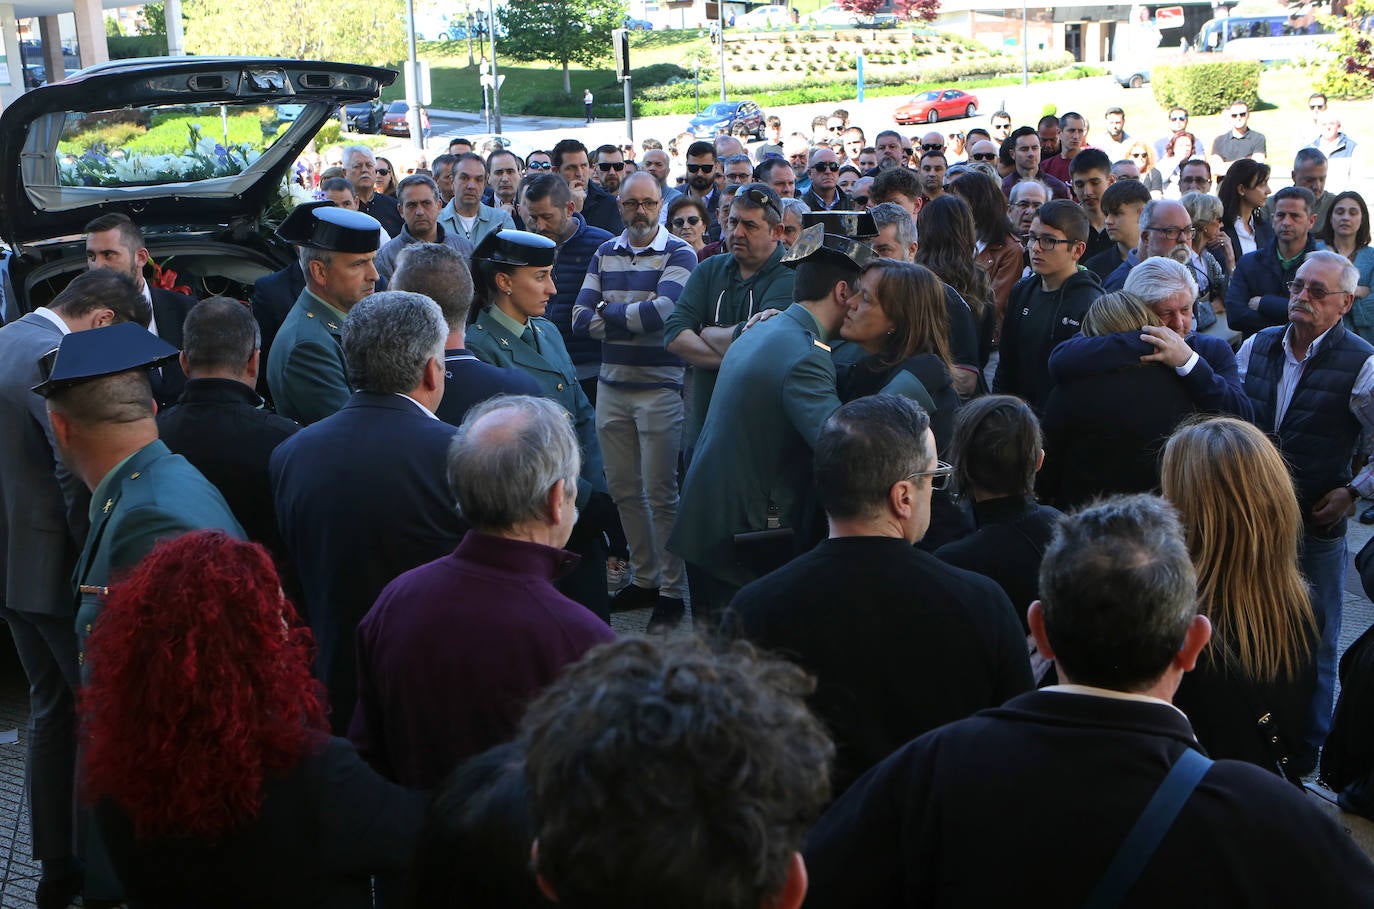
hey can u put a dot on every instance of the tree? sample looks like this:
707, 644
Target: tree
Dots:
112, 29
924, 10
1351, 73
563, 31
354, 31
154, 20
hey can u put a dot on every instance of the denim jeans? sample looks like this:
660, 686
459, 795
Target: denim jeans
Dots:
1323, 564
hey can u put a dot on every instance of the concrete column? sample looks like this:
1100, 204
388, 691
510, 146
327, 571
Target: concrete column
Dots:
50, 34
176, 36
14, 63
1094, 42
90, 32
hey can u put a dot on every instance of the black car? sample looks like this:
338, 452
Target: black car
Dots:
363, 117
202, 165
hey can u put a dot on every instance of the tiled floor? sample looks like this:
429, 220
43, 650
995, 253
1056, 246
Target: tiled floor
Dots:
18, 873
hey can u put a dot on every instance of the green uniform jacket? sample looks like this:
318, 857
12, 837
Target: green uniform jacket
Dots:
305, 368
553, 370
152, 496
715, 295
752, 466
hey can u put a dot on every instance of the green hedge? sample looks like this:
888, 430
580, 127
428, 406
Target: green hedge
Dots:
1207, 88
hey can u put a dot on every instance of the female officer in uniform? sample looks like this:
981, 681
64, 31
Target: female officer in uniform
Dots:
512, 278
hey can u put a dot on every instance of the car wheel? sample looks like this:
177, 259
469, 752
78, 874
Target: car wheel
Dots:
1137, 81
933, 116
970, 110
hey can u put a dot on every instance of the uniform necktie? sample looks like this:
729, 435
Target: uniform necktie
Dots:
528, 337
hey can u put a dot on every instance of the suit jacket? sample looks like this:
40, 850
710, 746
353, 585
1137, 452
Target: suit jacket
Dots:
42, 505
488, 220
306, 370
983, 812
601, 210
468, 382
752, 466
361, 497
170, 310
273, 297
220, 427
848, 612
553, 370
153, 495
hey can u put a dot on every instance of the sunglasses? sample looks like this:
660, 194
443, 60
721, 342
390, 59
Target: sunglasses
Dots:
690, 220
1240, 116
984, 156
700, 168
539, 165
831, 166
939, 477
763, 200
956, 135
383, 172
1178, 119
608, 166
1141, 155
932, 148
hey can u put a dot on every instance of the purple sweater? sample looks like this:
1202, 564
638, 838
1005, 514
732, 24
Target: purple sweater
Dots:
453, 651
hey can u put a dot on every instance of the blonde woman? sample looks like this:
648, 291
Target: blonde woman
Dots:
1240, 513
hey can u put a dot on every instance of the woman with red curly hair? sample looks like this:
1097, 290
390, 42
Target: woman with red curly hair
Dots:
207, 754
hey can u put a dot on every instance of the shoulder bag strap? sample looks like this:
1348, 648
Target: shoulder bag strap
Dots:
1154, 822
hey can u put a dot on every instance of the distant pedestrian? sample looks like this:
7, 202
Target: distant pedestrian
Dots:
587, 103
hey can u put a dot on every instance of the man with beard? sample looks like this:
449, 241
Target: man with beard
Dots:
548, 210
1258, 295
596, 206
1026, 154
888, 147
1048, 131
609, 169
701, 180
632, 285
1166, 229
465, 216
419, 196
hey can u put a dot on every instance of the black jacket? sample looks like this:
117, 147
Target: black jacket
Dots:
1025, 355
469, 381
170, 310
602, 210
853, 612
273, 297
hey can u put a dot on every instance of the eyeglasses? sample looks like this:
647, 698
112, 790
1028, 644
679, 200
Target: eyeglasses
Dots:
932, 148
984, 156
1240, 116
861, 200
1178, 119
633, 204
939, 477
1315, 292
539, 165
608, 166
1046, 242
383, 172
700, 168
763, 200
690, 220
1171, 233
1025, 205
831, 166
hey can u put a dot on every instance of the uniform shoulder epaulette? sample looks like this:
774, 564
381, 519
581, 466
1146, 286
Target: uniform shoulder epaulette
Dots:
821, 344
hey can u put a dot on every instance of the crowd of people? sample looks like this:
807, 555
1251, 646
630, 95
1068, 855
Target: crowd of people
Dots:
1004, 475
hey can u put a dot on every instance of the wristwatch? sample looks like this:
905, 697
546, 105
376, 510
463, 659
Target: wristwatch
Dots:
600, 307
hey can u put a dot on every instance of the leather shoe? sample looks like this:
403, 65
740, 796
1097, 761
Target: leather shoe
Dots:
667, 615
634, 597
1367, 516
58, 892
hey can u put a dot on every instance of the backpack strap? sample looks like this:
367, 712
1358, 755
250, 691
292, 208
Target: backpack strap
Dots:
1154, 822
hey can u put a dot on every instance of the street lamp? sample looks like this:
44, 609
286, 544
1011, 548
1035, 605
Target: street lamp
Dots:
495, 75
1025, 46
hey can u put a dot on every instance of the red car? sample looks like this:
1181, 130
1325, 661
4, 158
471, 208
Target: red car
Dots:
395, 122
938, 104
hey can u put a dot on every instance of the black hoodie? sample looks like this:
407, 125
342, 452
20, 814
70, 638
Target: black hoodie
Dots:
1036, 321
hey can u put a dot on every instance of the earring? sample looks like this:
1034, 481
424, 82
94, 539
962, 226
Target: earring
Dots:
891, 332
508, 291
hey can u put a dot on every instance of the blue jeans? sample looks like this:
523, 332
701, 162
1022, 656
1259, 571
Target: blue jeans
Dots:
1323, 564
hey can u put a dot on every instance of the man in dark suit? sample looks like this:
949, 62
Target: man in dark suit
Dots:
273, 297
848, 611
219, 424
114, 241
43, 523
363, 495
1039, 796
441, 273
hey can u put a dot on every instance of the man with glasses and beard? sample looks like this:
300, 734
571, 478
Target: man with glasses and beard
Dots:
632, 285
1166, 229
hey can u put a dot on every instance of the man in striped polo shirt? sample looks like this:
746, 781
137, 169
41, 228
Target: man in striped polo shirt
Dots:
632, 285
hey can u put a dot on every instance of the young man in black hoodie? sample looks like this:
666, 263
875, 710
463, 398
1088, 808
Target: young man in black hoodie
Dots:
1046, 306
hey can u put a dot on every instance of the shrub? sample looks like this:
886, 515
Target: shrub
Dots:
659, 74
329, 133
1207, 88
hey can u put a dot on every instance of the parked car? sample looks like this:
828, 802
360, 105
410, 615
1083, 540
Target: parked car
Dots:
937, 104
395, 121
722, 116
208, 225
1130, 76
833, 15
364, 117
879, 20
289, 112
771, 16
638, 25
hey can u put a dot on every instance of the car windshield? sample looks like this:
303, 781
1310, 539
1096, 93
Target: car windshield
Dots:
926, 96
398, 107
720, 109
67, 153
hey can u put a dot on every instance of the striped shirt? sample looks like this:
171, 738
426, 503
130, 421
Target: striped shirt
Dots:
640, 288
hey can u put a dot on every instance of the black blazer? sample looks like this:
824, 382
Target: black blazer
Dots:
170, 310
361, 496
273, 297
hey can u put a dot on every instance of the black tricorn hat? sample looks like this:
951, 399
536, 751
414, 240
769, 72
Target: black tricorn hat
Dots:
98, 352
814, 242
515, 247
324, 225
856, 224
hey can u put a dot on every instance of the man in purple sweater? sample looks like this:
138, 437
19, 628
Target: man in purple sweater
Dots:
453, 651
